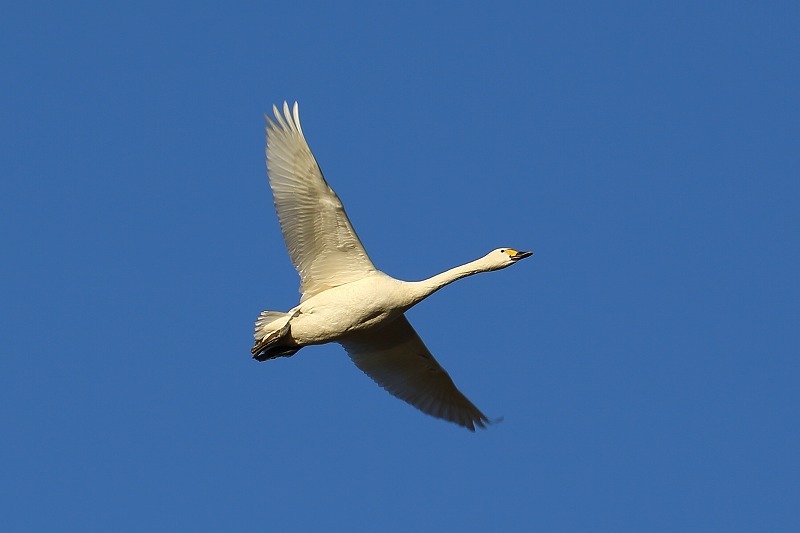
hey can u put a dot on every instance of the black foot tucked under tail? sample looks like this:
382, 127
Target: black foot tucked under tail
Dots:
263, 353
277, 344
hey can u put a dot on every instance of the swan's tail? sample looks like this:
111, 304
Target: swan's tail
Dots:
269, 322
272, 336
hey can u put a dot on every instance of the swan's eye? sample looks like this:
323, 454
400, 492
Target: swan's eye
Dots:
502, 251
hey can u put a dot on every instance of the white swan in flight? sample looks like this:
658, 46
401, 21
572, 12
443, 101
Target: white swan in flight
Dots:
345, 299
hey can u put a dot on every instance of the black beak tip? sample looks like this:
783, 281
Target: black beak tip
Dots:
521, 255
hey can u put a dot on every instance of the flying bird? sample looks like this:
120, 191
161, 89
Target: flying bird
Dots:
345, 299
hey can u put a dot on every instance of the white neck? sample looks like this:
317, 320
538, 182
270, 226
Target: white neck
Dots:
423, 289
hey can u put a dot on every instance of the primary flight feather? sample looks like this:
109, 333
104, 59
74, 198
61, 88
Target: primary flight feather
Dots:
345, 299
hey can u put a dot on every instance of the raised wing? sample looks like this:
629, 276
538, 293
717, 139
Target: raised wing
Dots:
321, 241
396, 359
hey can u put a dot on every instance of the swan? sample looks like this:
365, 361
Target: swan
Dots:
345, 299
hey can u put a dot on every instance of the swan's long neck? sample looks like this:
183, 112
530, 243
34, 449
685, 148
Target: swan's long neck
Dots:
423, 289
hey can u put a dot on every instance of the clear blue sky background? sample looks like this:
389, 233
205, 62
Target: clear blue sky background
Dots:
645, 360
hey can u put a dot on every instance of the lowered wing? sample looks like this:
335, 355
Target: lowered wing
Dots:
395, 357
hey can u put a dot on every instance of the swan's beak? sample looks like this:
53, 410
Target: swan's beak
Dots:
520, 255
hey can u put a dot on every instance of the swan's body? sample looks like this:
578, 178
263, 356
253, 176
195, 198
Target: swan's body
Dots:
355, 306
345, 298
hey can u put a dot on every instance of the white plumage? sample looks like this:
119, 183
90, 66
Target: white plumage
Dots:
345, 298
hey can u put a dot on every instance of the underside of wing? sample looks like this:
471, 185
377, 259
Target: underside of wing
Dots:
395, 357
321, 241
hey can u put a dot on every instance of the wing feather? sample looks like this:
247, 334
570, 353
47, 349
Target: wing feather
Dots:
395, 357
321, 241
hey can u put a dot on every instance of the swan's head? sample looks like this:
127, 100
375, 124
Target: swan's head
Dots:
504, 257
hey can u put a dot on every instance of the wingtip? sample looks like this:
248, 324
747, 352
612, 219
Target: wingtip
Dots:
482, 422
285, 117
296, 114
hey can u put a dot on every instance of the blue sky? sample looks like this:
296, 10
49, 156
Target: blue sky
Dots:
645, 360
